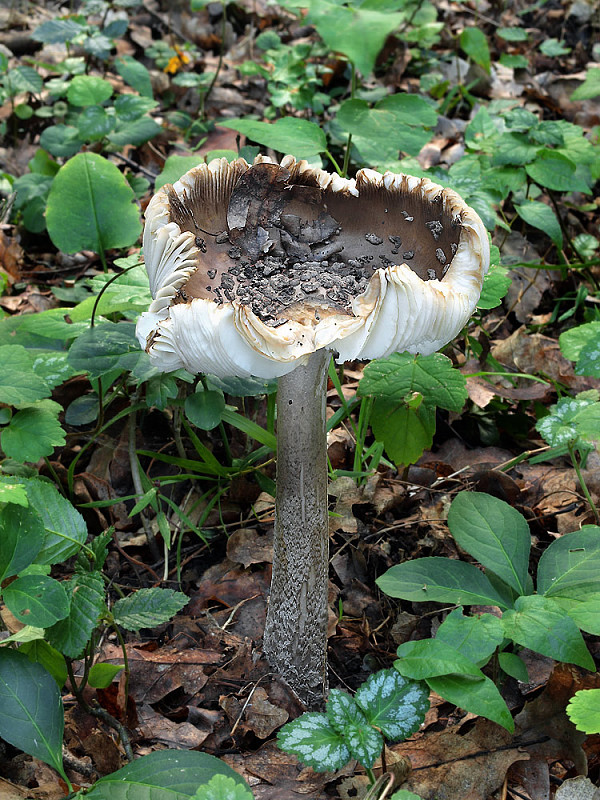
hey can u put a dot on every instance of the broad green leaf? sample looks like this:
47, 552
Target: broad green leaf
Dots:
292, 135
99, 350
243, 387
404, 794
357, 32
148, 608
495, 286
540, 624
475, 637
65, 528
160, 389
514, 148
572, 419
402, 374
135, 132
584, 708
494, 533
71, 634
19, 385
83, 410
33, 432
582, 344
40, 652
556, 171
553, 48
440, 580
570, 566
590, 88
162, 775
513, 34
313, 740
21, 538
52, 366
131, 106
61, 140
345, 717
31, 711
135, 74
13, 493
474, 43
101, 675
405, 431
541, 216
514, 666
429, 658
222, 787
88, 90
36, 600
57, 31
392, 704
585, 614
23, 79
479, 696
174, 167
90, 206
94, 123
204, 409
411, 109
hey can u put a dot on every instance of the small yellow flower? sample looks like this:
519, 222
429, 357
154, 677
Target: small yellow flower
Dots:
177, 62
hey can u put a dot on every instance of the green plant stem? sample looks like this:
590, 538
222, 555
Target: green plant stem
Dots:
370, 775
134, 466
583, 484
336, 166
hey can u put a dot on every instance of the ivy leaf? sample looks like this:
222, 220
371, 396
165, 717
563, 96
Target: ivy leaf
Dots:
363, 741
315, 742
393, 704
34, 432
572, 419
584, 708
148, 608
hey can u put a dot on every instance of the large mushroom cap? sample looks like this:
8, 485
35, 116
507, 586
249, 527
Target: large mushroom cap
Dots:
253, 268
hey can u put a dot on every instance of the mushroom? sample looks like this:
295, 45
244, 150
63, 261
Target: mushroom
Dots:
267, 269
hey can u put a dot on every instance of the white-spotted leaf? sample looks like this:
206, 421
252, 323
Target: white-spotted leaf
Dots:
312, 739
364, 742
393, 704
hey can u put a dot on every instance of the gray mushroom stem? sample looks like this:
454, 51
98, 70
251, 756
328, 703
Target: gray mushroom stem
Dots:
295, 640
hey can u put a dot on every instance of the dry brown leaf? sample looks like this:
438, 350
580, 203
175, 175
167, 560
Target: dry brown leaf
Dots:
247, 546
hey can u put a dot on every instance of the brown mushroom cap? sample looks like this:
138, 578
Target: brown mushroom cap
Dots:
282, 259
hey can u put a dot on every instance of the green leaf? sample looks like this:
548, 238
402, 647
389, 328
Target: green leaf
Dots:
540, 624
52, 366
556, 171
345, 717
476, 638
553, 48
37, 600
23, 79
570, 566
584, 708
222, 787
129, 107
392, 704
174, 167
135, 74
88, 90
315, 742
71, 634
514, 666
91, 206
61, 140
148, 608
429, 658
40, 652
243, 387
514, 148
513, 34
13, 493
298, 137
135, 132
94, 123
33, 432
441, 580
405, 431
404, 794
83, 410
590, 88
572, 419
474, 43
495, 286
162, 775
204, 409
541, 216
19, 385
21, 539
357, 32
31, 711
494, 533
101, 675
480, 697
582, 344
586, 614
402, 374
99, 350
57, 31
